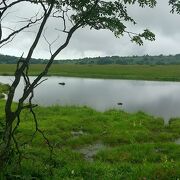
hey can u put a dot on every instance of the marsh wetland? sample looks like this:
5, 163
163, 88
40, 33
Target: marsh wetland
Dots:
100, 129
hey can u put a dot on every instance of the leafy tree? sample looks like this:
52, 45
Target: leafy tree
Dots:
74, 14
175, 6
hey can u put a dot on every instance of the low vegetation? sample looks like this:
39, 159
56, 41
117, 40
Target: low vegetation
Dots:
143, 72
3, 90
95, 145
128, 60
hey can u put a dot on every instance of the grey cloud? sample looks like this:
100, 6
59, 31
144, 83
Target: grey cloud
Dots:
87, 42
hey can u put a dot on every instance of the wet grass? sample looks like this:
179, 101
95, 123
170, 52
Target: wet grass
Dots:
124, 146
143, 72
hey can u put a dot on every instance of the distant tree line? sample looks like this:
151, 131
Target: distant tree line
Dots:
6, 59
128, 60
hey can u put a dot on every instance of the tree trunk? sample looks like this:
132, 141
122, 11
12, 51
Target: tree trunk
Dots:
6, 144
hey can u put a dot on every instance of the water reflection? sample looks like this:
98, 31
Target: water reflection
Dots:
156, 98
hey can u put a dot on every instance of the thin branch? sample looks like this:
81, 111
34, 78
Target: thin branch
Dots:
45, 71
131, 33
40, 82
7, 42
50, 43
16, 142
37, 127
21, 29
19, 71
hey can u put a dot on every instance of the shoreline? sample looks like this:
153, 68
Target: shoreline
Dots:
104, 77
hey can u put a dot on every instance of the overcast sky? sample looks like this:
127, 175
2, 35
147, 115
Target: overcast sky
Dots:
90, 43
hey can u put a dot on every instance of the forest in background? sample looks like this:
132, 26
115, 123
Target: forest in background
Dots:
127, 60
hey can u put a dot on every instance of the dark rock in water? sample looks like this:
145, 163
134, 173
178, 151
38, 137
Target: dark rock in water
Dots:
62, 83
120, 104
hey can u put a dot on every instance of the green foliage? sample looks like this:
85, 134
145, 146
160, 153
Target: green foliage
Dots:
6, 59
148, 35
146, 59
175, 6
109, 15
142, 3
4, 88
112, 71
136, 146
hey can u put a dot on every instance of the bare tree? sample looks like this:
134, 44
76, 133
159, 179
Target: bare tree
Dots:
73, 15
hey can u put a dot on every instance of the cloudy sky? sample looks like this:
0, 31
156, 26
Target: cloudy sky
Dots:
90, 43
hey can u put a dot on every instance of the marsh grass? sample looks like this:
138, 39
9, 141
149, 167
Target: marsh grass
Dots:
135, 146
142, 72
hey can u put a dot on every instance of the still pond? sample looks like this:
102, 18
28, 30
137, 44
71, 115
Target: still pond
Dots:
153, 97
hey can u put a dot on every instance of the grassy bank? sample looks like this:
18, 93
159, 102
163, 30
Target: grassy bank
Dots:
143, 72
3, 89
94, 145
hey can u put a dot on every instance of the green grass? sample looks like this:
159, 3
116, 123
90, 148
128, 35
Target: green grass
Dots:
143, 72
3, 89
135, 146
